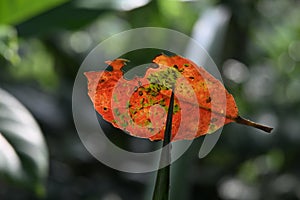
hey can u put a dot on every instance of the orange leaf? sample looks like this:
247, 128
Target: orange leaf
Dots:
202, 104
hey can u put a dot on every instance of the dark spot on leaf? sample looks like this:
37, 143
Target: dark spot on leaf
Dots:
101, 80
208, 100
109, 68
151, 129
191, 77
104, 108
140, 93
175, 66
186, 65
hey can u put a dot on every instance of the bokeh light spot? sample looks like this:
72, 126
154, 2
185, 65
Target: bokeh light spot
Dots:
80, 41
286, 63
292, 91
294, 50
235, 71
260, 83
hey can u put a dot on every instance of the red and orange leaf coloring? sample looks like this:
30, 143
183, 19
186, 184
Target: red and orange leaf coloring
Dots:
139, 106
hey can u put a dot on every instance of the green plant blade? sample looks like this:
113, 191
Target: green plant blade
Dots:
162, 184
14, 12
23, 151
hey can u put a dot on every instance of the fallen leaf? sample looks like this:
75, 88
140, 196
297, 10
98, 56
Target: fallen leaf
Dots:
139, 106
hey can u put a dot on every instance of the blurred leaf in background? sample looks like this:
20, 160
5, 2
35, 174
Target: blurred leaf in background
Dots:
16, 11
23, 151
9, 44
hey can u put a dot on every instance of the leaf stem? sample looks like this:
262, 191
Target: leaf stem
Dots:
247, 122
162, 184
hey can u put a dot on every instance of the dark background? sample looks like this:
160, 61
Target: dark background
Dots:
42, 45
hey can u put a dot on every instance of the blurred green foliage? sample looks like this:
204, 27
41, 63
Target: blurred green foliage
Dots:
14, 12
9, 44
42, 46
23, 151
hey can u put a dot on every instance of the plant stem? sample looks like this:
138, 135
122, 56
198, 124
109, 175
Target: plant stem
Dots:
162, 184
247, 122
